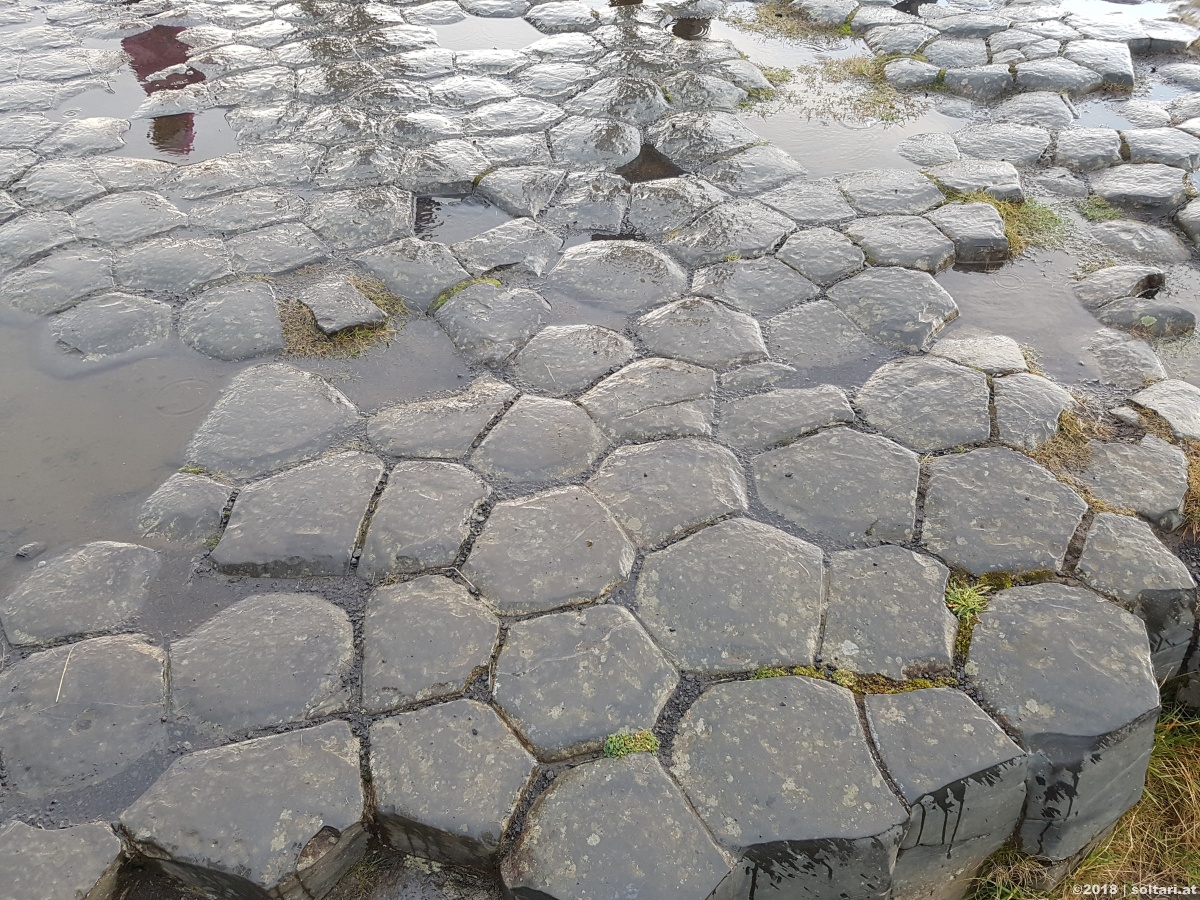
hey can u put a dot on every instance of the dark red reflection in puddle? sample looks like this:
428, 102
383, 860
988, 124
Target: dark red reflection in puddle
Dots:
151, 52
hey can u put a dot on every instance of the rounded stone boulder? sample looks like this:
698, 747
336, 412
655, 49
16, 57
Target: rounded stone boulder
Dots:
736, 596
568, 680
781, 772
927, 403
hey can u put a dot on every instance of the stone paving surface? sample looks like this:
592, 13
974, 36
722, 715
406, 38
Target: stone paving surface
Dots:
709, 479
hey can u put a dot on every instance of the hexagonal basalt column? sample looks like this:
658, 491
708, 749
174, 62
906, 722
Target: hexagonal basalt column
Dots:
780, 769
1069, 673
660, 490
553, 549
702, 331
615, 828
927, 403
963, 779
267, 660
569, 680
653, 398
540, 440
994, 510
78, 715
423, 640
447, 779
842, 483
736, 596
279, 816
443, 428
621, 276
59, 864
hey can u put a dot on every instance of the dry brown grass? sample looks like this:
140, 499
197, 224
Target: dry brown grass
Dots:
778, 20
1026, 225
302, 337
1068, 453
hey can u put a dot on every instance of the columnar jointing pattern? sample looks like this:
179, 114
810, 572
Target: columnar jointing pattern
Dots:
733, 443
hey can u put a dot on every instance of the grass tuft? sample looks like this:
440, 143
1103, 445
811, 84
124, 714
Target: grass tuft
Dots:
778, 20
1097, 209
967, 600
1026, 225
625, 742
302, 337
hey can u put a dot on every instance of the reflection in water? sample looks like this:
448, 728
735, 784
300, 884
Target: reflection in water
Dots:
690, 29
910, 6
649, 165
151, 52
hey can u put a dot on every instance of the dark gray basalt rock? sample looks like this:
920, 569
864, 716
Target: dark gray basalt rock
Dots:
185, 509
1028, 408
521, 191
1056, 75
1149, 477
757, 286
362, 217
821, 255
622, 276
1123, 559
519, 569
659, 207
693, 140
1169, 146
1083, 708
268, 660
568, 680
521, 244
754, 170
58, 281
60, 863
562, 359
887, 613
246, 210
277, 816
423, 640
1021, 145
421, 519
488, 323
634, 101
589, 202
819, 336
270, 417
766, 420
819, 820
540, 440
443, 428
1147, 186
817, 202
962, 777
1108, 59
997, 178
1176, 401
1086, 149
663, 489
653, 398
702, 331
991, 353
112, 324
337, 305
447, 780
233, 321
1142, 242
170, 265
734, 597
977, 232
898, 307
612, 826
583, 141
852, 487
994, 510
96, 588
890, 192
72, 726
417, 270
908, 241
128, 217
744, 228
301, 523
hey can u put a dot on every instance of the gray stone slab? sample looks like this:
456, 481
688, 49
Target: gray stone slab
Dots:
1176, 401
739, 228
517, 116
540, 440
275, 249
1142, 242
1028, 407
519, 568
907, 74
58, 281
270, 417
994, 510
733, 597
442, 168
957, 53
766, 420
185, 509
51, 185
980, 83
1149, 186
621, 276
997, 178
566, 681
1056, 75
466, 91
112, 324
128, 217
447, 781
908, 241
612, 826
815, 202
95, 588
233, 213
819, 336
361, 217
589, 202
423, 640
1086, 149
1149, 477
521, 244
693, 91
233, 321
1021, 145
563, 359
899, 40
633, 101
660, 207
268, 660
1084, 708
337, 305
443, 428
821, 255
929, 149
67, 727
1108, 59
754, 170
977, 232
1123, 361
757, 286
653, 398
521, 191
280, 813
488, 323
1123, 559
897, 307
60, 863
991, 353
819, 820
555, 81
417, 270
692, 140
1169, 146
1103, 286
303, 522
660, 490
701, 331
887, 613
421, 519
171, 265
883, 192
963, 777
843, 484
33, 234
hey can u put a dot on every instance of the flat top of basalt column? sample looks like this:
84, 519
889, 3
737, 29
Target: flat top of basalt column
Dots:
73, 723
539, 440
735, 596
443, 428
926, 403
878, 192
762, 286
267, 660
55, 863
568, 680
1051, 660
1122, 558
249, 809
621, 276
701, 331
562, 359
612, 826
825, 786
654, 398
761, 421
270, 417
95, 588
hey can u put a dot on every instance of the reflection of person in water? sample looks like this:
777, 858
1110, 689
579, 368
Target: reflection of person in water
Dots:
151, 52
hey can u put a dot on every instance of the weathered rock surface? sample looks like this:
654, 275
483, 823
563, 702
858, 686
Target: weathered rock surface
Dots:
60, 863
622, 276
441, 428
540, 440
762, 421
1149, 477
898, 307
185, 509
653, 398
563, 359
927, 403
756, 286
1028, 407
233, 322
701, 331
1176, 401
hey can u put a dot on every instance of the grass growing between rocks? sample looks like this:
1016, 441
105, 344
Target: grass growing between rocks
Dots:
1068, 453
1157, 425
1097, 209
1027, 225
623, 743
854, 681
1155, 843
967, 600
302, 337
778, 20
869, 95
445, 296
